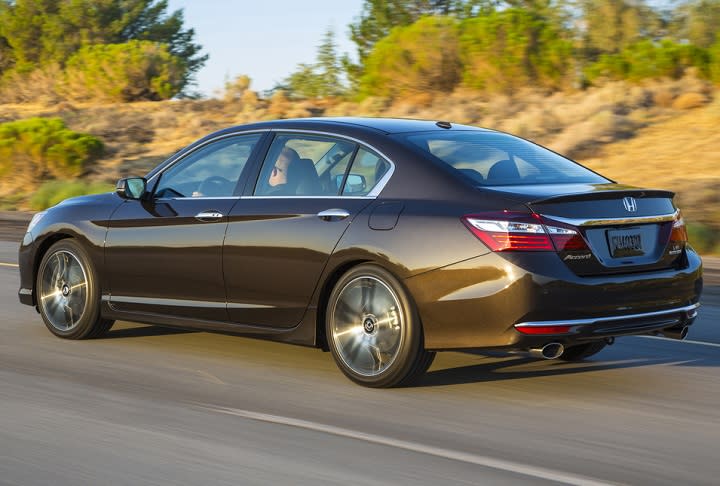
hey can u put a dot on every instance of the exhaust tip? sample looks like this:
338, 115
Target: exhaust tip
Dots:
678, 333
549, 351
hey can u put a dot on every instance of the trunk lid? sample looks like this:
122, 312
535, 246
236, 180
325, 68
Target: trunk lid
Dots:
626, 229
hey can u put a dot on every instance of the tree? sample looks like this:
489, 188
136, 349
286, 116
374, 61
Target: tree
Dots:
611, 25
133, 71
698, 22
514, 47
38, 32
379, 17
319, 80
403, 63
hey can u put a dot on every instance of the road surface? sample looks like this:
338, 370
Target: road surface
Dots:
148, 405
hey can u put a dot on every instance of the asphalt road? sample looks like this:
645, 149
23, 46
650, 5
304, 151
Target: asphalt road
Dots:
154, 406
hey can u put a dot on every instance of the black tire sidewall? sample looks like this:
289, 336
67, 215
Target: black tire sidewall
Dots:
91, 313
411, 347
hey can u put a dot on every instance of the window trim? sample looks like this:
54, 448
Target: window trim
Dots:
155, 178
379, 186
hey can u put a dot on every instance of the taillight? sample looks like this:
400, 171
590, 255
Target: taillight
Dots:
508, 231
679, 230
515, 231
566, 239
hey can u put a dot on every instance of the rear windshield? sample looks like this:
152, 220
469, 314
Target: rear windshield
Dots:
497, 159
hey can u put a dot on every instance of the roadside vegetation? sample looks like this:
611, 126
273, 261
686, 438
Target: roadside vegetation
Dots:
623, 86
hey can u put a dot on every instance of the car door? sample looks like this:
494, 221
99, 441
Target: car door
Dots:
280, 239
164, 253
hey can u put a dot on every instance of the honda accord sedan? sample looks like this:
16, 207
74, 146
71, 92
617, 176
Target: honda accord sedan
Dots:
382, 241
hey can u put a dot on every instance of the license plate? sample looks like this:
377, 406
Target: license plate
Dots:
625, 243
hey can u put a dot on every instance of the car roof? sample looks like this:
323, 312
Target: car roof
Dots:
384, 125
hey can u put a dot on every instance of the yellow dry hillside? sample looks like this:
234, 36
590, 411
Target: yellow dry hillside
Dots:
674, 154
662, 134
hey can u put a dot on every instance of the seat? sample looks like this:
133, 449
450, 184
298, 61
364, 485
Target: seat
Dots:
472, 174
302, 179
505, 170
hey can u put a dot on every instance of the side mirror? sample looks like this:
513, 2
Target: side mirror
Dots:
131, 187
355, 184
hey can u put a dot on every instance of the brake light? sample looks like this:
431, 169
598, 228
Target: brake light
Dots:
509, 231
679, 230
566, 239
516, 231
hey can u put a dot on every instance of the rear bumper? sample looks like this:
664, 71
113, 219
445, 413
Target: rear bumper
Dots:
602, 327
480, 302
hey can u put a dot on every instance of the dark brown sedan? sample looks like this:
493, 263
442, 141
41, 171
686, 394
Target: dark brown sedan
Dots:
380, 240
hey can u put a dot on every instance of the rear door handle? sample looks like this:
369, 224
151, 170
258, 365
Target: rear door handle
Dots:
209, 215
333, 214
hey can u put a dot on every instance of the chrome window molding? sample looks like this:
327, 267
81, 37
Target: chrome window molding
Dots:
661, 218
198, 198
308, 197
233, 198
380, 185
377, 189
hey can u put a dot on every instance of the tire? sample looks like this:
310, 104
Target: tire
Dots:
68, 294
582, 351
374, 332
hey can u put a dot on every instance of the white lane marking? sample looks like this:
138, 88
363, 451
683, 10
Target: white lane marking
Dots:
686, 341
485, 461
9, 265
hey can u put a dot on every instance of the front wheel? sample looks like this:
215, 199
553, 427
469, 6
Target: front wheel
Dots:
68, 293
373, 329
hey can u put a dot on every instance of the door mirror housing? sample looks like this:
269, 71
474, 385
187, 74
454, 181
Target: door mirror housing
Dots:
354, 184
131, 187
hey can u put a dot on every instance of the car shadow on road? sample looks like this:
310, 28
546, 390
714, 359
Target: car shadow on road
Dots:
144, 331
504, 368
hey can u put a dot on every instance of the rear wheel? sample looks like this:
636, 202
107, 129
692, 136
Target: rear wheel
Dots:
68, 294
582, 351
373, 329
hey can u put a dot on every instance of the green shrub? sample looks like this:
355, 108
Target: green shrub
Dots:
419, 58
136, 70
714, 63
41, 148
704, 238
52, 192
512, 48
649, 60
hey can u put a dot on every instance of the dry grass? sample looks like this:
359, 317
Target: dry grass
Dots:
663, 134
681, 154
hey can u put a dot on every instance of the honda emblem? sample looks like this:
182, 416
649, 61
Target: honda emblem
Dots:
630, 204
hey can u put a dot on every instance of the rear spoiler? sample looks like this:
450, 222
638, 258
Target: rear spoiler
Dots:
610, 194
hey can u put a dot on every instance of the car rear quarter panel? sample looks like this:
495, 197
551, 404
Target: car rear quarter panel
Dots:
475, 303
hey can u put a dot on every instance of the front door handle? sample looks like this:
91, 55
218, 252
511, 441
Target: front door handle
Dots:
209, 215
333, 214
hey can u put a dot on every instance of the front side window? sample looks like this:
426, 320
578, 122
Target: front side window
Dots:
304, 165
211, 171
495, 159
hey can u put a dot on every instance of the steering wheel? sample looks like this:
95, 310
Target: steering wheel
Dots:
168, 192
214, 186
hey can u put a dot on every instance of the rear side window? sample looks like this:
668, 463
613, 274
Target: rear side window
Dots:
367, 170
304, 165
497, 159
